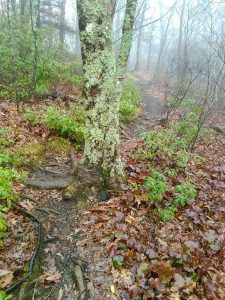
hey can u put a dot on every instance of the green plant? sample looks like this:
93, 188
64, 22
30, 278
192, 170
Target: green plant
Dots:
52, 72
130, 101
156, 186
7, 177
184, 192
64, 124
166, 145
199, 159
31, 116
167, 214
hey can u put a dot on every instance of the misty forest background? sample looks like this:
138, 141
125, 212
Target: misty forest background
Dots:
179, 42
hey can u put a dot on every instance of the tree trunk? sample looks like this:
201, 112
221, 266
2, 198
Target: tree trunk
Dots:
101, 88
127, 33
180, 41
140, 33
62, 8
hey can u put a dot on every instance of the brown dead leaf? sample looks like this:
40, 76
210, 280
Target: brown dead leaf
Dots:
6, 278
56, 278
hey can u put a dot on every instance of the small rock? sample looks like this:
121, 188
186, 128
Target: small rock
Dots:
103, 196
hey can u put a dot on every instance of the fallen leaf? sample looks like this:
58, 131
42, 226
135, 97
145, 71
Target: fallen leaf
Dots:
179, 281
60, 294
192, 245
6, 278
155, 282
151, 253
142, 269
56, 278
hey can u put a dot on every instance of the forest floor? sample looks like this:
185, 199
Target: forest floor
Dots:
181, 259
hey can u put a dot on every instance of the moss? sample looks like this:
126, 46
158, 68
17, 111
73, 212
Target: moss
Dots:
33, 154
57, 145
30, 154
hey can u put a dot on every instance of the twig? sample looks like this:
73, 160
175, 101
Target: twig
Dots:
48, 210
28, 197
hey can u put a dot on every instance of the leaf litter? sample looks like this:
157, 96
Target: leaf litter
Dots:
129, 255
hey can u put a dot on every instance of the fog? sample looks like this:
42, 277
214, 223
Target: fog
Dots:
177, 40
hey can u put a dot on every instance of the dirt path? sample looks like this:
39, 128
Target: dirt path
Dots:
61, 219
152, 108
59, 254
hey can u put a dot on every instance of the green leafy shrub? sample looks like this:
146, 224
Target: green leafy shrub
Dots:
31, 116
53, 72
156, 186
166, 145
17, 61
130, 101
7, 177
184, 192
64, 124
167, 214
190, 125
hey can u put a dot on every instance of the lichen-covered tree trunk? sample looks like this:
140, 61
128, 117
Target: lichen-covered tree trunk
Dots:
102, 88
127, 33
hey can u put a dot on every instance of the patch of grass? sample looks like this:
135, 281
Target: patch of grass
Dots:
57, 145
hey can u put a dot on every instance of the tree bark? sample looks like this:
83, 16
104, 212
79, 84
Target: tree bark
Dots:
140, 33
101, 89
127, 33
62, 8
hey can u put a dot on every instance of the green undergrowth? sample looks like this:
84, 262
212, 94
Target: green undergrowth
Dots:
166, 152
65, 123
70, 123
130, 101
167, 197
8, 175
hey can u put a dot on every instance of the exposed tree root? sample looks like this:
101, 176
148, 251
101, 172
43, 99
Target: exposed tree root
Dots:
16, 285
54, 184
218, 129
56, 181
48, 210
80, 282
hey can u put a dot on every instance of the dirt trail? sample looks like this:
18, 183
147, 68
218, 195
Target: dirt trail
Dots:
152, 108
59, 254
